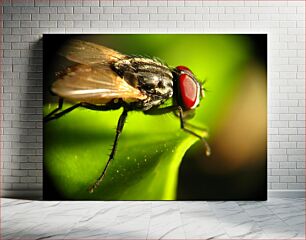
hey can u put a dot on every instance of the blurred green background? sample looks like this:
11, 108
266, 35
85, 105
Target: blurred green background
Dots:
155, 160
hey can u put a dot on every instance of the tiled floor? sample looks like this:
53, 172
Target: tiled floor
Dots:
273, 219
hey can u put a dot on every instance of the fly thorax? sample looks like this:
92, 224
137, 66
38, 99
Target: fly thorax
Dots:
152, 78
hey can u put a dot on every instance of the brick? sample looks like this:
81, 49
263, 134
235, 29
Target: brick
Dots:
35, 173
6, 172
300, 165
57, 3
296, 151
138, 3
106, 2
91, 16
287, 145
157, 3
57, 17
148, 24
19, 46
296, 172
230, 17
244, 10
287, 165
183, 24
11, 53
275, 151
186, 9
11, 9
40, 17
273, 165
50, 10
296, 124
196, 17
98, 24
121, 3
279, 158
290, 116
28, 179
160, 17
286, 9
203, 10
300, 179
297, 138
82, 24
19, 173
147, 9
130, 24
21, 17
166, 10
300, 116
96, 10
168, 24
221, 24
273, 144
129, 10
121, 17
261, 10
294, 17
19, 186
41, 3
74, 16
273, 179
74, 3
300, 144
279, 185
81, 9
280, 124
288, 179
112, 9
176, 17
296, 186
140, 17
62, 10
114, 24
11, 179
195, 3
242, 24
251, 17
91, 3
65, 24
11, 24
288, 131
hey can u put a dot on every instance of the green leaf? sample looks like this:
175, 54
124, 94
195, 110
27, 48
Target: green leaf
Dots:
146, 164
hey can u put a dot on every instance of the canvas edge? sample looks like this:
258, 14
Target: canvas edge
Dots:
37, 194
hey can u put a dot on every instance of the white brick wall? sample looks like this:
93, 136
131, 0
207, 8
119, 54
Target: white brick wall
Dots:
24, 22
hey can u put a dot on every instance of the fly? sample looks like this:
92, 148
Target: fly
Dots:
103, 79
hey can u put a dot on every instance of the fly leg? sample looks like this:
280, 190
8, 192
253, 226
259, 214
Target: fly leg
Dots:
160, 111
119, 128
207, 152
62, 113
100, 107
174, 108
187, 124
59, 107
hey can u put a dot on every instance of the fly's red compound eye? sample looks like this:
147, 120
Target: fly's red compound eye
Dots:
183, 69
189, 91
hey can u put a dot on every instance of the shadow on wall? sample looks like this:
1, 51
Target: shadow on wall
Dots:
29, 159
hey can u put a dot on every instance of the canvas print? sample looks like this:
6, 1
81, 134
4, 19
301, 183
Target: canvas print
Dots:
155, 117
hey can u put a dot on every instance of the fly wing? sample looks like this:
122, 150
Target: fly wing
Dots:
96, 84
89, 53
